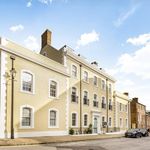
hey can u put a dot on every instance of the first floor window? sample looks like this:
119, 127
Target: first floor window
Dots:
85, 120
109, 123
27, 81
74, 119
121, 122
53, 118
26, 116
126, 123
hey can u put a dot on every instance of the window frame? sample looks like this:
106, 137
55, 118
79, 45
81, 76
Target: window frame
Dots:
95, 77
110, 123
57, 89
84, 120
57, 118
73, 65
75, 95
74, 126
103, 87
86, 79
32, 117
33, 82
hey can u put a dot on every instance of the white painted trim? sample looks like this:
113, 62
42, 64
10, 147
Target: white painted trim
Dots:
67, 105
72, 64
3, 95
57, 89
34, 59
40, 133
85, 90
57, 118
94, 114
111, 122
104, 85
116, 113
33, 86
87, 120
97, 81
74, 112
87, 76
77, 94
32, 117
121, 125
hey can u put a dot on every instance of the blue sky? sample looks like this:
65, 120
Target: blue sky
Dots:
113, 32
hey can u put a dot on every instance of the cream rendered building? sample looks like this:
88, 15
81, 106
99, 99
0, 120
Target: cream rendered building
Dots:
55, 91
122, 118
40, 93
90, 89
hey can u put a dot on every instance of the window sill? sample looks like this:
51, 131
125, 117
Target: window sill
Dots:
26, 92
53, 127
27, 127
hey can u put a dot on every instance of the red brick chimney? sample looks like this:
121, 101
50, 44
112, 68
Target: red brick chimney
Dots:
46, 38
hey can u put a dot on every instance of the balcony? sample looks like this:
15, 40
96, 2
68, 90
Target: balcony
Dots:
74, 98
110, 107
85, 101
103, 105
95, 103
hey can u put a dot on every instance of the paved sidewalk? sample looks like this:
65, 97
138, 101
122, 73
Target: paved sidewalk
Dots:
55, 139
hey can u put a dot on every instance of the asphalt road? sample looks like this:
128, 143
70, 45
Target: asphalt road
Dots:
107, 144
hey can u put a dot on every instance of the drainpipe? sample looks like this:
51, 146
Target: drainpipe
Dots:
80, 99
107, 104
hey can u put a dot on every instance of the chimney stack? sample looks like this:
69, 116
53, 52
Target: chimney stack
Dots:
126, 93
46, 38
135, 99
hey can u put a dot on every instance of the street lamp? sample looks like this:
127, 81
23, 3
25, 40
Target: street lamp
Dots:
12, 74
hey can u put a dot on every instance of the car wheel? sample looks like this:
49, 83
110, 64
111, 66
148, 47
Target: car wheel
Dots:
138, 135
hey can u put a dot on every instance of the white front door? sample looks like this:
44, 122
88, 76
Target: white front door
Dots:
96, 124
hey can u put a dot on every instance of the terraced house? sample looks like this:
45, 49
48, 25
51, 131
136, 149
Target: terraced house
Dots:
52, 92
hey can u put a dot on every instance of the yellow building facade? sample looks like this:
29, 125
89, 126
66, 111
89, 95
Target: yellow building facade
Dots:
54, 92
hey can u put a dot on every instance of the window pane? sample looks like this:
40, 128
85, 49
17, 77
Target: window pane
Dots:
27, 81
53, 88
74, 119
85, 120
74, 71
52, 118
26, 116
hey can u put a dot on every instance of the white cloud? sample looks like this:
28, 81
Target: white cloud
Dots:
32, 43
46, 1
29, 4
16, 28
132, 70
140, 40
87, 38
124, 16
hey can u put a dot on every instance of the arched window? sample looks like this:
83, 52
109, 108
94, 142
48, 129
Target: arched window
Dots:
27, 117
103, 102
85, 120
53, 118
53, 88
27, 81
74, 120
74, 71
74, 97
85, 76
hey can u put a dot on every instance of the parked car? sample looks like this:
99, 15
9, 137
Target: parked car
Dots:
144, 132
133, 133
